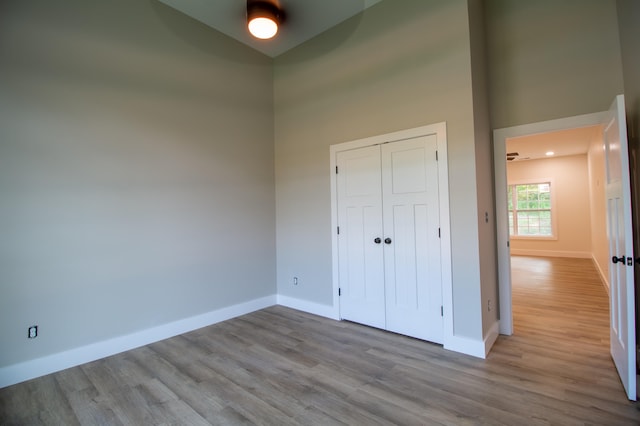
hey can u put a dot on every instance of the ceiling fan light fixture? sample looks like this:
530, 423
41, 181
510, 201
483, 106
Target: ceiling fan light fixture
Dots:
263, 19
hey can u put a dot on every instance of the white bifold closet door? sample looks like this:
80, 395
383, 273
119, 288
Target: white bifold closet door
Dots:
388, 243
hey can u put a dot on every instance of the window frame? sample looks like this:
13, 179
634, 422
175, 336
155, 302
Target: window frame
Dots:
553, 209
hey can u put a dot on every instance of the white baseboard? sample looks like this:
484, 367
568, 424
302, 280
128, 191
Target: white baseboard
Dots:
326, 311
466, 346
603, 276
27, 370
31, 369
491, 337
479, 349
551, 253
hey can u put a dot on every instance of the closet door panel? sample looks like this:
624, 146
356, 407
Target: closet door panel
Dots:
411, 231
360, 258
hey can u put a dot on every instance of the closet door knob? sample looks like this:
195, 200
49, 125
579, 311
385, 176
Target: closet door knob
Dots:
377, 241
387, 240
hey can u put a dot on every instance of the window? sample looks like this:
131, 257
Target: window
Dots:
530, 210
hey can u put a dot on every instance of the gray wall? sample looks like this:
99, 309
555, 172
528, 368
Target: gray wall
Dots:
484, 168
551, 59
629, 22
136, 172
394, 67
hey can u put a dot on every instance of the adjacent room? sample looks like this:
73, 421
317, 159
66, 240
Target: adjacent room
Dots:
558, 232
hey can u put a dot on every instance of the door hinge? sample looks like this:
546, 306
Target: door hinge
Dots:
336, 169
439, 236
338, 230
436, 155
339, 292
441, 310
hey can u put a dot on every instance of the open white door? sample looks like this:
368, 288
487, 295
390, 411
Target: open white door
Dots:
620, 236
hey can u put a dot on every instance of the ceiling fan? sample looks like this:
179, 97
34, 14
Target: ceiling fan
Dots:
514, 156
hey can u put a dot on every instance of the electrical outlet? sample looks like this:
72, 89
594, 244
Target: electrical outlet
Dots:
295, 280
33, 332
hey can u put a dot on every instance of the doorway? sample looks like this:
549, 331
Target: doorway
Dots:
502, 215
619, 230
557, 212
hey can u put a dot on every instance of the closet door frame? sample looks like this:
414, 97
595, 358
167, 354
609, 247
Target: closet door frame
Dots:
440, 131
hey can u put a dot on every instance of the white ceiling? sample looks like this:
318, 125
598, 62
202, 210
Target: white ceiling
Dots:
562, 143
305, 19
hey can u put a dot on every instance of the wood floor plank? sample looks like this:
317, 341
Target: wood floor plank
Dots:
279, 367
90, 408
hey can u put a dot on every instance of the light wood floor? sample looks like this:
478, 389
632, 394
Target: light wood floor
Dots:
283, 367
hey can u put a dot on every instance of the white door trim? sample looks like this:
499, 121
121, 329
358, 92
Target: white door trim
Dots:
502, 222
440, 130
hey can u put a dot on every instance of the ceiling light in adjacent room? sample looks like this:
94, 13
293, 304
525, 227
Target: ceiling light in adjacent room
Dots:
263, 19
549, 153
